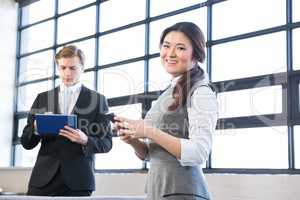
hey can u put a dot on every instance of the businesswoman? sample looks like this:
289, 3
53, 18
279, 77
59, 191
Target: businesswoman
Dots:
176, 134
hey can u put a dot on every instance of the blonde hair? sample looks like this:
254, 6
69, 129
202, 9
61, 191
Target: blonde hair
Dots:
70, 51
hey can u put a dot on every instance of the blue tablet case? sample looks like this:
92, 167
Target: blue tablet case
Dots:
50, 124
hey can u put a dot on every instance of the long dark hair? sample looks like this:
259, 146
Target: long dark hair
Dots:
190, 77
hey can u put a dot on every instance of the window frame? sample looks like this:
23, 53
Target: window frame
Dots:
289, 79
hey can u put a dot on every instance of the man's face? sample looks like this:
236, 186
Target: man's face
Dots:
70, 70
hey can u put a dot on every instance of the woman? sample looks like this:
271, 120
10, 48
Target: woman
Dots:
178, 128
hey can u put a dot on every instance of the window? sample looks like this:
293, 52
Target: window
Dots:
122, 155
249, 57
74, 25
122, 60
36, 12
36, 66
296, 10
251, 148
159, 79
256, 101
88, 47
37, 37
26, 158
114, 9
27, 94
197, 16
237, 17
161, 7
21, 124
88, 80
66, 5
122, 45
122, 80
296, 48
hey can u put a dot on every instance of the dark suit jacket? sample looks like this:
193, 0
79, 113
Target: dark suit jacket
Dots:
75, 161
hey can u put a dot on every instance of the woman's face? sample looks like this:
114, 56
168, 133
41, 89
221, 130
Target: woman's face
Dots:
176, 53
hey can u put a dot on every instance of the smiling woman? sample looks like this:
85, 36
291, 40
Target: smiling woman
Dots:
179, 126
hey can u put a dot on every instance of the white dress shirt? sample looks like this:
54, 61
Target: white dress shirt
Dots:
202, 116
68, 97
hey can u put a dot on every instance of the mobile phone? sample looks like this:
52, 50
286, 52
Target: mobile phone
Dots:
111, 117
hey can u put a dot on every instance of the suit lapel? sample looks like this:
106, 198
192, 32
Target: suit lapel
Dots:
56, 100
52, 101
81, 100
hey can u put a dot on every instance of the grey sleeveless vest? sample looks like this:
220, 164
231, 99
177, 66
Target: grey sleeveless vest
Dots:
167, 179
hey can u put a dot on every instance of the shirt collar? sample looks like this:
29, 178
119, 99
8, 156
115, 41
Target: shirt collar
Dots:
73, 88
174, 80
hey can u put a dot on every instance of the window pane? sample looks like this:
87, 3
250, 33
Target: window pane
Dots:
122, 80
256, 101
249, 57
122, 155
297, 146
296, 11
37, 12
296, 49
236, 17
21, 124
122, 45
159, 7
157, 27
131, 111
66, 5
159, 79
26, 158
28, 93
88, 80
75, 26
57, 82
88, 48
251, 148
36, 66
113, 14
37, 37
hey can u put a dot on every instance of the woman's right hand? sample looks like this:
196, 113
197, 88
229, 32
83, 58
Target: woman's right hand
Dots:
124, 137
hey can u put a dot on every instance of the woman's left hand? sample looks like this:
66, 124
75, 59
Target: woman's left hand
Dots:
134, 128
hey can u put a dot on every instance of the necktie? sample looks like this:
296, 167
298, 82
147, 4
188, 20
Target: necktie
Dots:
67, 100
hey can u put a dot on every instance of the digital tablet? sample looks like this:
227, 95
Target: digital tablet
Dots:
50, 124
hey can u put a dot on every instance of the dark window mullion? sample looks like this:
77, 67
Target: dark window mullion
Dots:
146, 105
96, 77
289, 97
55, 41
209, 61
16, 89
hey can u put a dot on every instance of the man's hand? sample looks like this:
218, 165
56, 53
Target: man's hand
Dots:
75, 135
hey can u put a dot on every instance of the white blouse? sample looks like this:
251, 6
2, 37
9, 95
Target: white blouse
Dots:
203, 115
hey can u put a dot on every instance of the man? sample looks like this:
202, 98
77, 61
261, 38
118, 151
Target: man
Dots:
64, 166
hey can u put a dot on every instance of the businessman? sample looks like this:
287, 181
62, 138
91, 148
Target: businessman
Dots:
65, 163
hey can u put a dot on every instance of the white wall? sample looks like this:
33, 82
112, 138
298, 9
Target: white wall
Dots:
222, 186
8, 32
